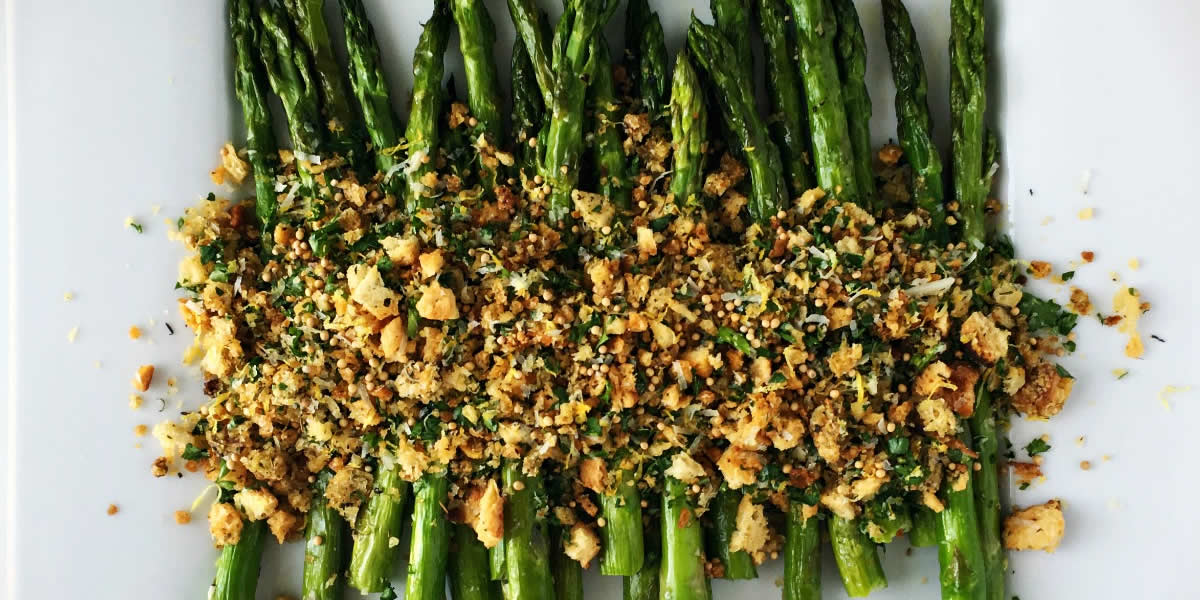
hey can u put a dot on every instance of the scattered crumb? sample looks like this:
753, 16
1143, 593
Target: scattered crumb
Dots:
72, 334
135, 332
112, 510
1113, 275
1047, 220
1026, 473
155, 209
1120, 373
67, 297
1086, 465
183, 517
135, 401
1038, 527
140, 430
1087, 256
1080, 302
393, 542
924, 580
1085, 181
1134, 264
1040, 269
143, 378
1128, 303
1079, 441
1087, 214
1106, 457
1169, 390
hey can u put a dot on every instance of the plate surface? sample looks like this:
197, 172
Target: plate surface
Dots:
117, 109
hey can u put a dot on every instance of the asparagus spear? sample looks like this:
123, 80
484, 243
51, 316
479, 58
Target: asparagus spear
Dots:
624, 550
987, 491
852, 62
251, 92
290, 77
724, 508
237, 568
652, 67
968, 100
689, 126
377, 525
527, 19
915, 131
469, 574
527, 109
345, 130
430, 545
732, 18
568, 573
717, 56
924, 531
833, 153
369, 84
802, 555
476, 39
960, 555
562, 145
610, 156
427, 102
637, 15
857, 560
788, 127
643, 585
326, 542
682, 576
526, 545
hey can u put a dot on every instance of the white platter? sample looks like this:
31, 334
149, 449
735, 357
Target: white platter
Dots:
119, 106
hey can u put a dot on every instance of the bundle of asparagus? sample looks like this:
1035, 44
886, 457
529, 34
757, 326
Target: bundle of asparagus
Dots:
591, 332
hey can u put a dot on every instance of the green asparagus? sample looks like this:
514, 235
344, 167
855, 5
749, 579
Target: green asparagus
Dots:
610, 156
568, 573
724, 510
968, 100
682, 576
788, 125
852, 66
526, 540
430, 545
960, 554
327, 539
689, 126
238, 566
856, 557
377, 531
370, 85
427, 104
468, 570
623, 540
833, 153
802, 554
987, 490
717, 56
476, 39
915, 127
251, 92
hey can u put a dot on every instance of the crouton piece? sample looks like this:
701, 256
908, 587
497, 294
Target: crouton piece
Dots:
1039, 527
225, 524
1044, 393
988, 342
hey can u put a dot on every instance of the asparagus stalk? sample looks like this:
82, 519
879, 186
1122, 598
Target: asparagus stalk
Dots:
652, 67
987, 491
430, 545
562, 145
345, 130
857, 560
377, 526
469, 574
968, 100
833, 153
689, 126
527, 19
724, 508
610, 156
237, 568
637, 15
643, 585
682, 576
251, 92
369, 84
568, 573
802, 555
852, 62
290, 77
624, 549
915, 130
527, 108
924, 530
526, 545
476, 40
788, 125
427, 103
732, 18
960, 554
325, 546
718, 57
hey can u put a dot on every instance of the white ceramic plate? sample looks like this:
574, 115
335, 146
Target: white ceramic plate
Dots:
116, 109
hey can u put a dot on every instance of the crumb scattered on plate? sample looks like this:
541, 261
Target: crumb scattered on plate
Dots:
1087, 214
72, 334
112, 509
183, 517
